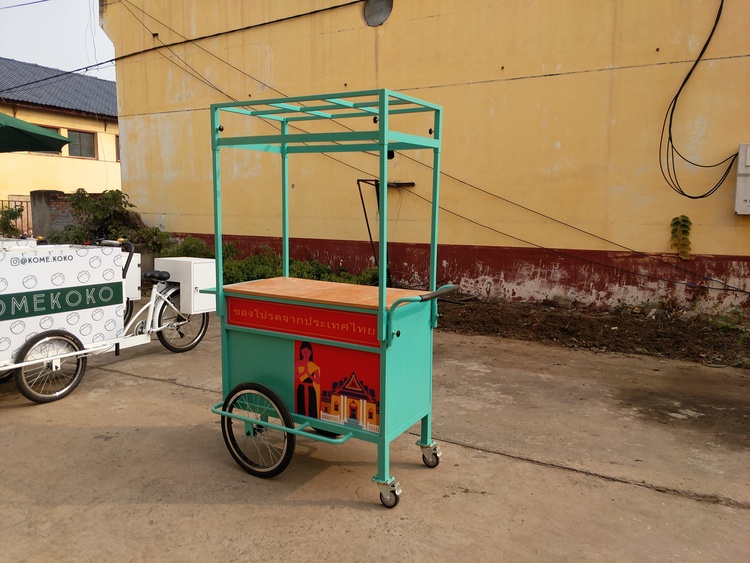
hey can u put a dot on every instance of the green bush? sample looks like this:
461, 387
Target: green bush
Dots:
267, 264
70, 234
153, 237
108, 216
8, 218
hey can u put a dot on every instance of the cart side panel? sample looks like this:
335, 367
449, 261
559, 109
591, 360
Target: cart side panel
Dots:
262, 359
337, 385
407, 375
78, 289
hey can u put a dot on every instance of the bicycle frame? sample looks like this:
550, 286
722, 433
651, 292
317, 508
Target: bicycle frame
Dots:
159, 298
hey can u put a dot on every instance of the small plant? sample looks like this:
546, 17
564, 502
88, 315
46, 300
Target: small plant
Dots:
195, 247
8, 218
681, 236
153, 237
105, 216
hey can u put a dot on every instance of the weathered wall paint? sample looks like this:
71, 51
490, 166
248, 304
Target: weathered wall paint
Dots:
553, 112
588, 278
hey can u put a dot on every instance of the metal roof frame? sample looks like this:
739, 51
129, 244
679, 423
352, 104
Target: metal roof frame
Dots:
345, 109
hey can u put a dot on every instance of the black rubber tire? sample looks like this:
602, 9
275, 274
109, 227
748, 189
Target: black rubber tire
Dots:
432, 461
39, 382
7, 377
188, 334
390, 502
267, 452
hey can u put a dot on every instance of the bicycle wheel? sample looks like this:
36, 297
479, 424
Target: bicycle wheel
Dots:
183, 332
259, 450
53, 377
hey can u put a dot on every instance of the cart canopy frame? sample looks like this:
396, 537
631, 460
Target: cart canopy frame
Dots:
342, 110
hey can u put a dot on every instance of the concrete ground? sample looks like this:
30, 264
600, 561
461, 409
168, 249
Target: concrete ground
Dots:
548, 455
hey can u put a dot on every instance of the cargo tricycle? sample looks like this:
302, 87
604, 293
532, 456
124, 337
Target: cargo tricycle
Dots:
60, 304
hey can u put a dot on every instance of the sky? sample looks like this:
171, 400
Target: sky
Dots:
63, 34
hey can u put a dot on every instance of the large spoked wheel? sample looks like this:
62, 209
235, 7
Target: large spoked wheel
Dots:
56, 374
183, 332
259, 450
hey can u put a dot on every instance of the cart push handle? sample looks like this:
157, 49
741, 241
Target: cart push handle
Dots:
125, 244
444, 290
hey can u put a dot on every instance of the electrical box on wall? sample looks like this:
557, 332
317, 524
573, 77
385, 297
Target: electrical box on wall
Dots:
742, 195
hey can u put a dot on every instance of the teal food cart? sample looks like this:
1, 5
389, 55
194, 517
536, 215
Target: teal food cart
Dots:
324, 360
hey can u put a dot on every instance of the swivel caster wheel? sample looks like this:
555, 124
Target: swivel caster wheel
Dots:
431, 455
390, 493
391, 500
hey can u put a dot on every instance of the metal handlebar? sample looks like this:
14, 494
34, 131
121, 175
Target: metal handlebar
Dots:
450, 288
130, 247
446, 289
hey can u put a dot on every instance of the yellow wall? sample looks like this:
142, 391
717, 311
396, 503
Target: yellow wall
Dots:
555, 106
24, 172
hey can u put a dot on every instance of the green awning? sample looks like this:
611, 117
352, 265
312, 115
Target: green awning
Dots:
18, 135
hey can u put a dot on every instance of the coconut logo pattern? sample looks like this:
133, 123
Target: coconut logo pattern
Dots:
67, 287
15, 243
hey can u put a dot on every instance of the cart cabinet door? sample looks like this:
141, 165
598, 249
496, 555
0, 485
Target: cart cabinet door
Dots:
407, 374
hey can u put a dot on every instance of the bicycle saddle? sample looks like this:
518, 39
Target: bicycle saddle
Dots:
156, 275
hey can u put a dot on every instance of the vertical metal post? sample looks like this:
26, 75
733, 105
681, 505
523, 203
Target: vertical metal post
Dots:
284, 200
384, 462
215, 151
437, 133
218, 245
383, 226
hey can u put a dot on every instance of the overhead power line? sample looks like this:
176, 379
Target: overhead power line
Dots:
24, 4
198, 76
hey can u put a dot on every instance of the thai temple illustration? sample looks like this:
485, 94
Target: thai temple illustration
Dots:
351, 402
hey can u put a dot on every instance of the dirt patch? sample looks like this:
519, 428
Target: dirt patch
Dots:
656, 331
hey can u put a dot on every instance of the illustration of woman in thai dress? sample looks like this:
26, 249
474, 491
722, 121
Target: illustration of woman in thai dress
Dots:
308, 382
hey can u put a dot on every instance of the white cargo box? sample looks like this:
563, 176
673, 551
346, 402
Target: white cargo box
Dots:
74, 288
193, 274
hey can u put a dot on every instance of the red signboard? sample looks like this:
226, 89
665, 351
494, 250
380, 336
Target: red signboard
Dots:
330, 324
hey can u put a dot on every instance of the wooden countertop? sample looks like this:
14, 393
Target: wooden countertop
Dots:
322, 292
